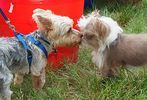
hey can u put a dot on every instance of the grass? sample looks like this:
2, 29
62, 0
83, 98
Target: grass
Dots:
80, 82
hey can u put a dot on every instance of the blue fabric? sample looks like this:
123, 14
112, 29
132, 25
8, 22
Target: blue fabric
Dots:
38, 44
88, 3
21, 39
29, 57
3, 14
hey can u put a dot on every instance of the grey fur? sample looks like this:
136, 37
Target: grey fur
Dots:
13, 59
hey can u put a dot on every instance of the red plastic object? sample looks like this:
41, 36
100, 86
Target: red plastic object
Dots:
21, 17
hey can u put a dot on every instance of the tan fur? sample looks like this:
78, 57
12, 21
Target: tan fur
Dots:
111, 48
57, 28
95, 32
101, 29
18, 79
46, 24
38, 81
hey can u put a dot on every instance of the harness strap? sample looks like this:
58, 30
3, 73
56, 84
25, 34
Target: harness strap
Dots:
53, 48
38, 44
21, 39
29, 58
45, 41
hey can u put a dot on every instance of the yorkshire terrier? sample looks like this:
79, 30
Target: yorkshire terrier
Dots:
58, 30
112, 49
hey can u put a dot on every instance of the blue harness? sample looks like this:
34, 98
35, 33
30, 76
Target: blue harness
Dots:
38, 44
29, 37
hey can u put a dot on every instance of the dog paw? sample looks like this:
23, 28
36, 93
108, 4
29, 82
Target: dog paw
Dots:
18, 81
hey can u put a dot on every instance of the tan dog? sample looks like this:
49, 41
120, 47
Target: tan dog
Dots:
111, 47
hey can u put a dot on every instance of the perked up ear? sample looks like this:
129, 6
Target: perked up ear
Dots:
43, 23
101, 28
96, 13
46, 23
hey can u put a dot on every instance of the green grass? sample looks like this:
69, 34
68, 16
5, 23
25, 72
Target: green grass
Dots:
80, 82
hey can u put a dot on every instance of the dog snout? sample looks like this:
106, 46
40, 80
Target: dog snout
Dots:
79, 34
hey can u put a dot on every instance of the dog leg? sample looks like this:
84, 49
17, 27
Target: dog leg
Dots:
39, 81
5, 92
18, 78
5, 81
107, 71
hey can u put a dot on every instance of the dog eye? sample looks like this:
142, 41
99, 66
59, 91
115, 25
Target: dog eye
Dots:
89, 36
69, 30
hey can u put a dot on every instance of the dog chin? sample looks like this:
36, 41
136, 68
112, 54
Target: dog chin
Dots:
84, 44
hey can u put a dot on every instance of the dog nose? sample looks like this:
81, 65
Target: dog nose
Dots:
81, 35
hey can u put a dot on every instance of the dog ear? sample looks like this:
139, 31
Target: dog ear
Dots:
44, 23
38, 10
96, 13
101, 28
41, 11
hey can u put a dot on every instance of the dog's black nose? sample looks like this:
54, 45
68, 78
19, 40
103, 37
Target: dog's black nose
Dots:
81, 35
